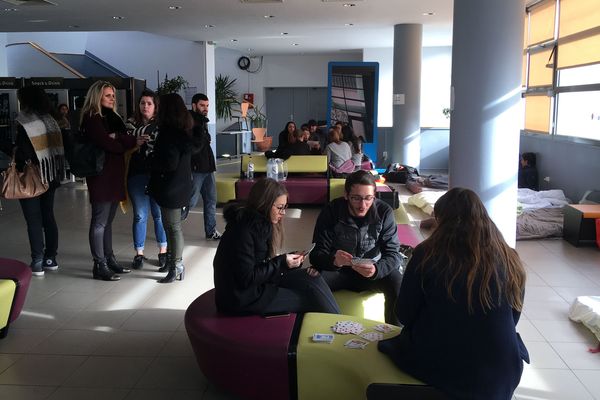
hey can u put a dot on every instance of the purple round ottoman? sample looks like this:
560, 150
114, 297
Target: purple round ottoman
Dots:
21, 274
246, 356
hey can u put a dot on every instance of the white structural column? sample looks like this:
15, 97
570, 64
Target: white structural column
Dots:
485, 122
405, 146
209, 90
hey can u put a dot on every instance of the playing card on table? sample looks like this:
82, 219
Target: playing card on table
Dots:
323, 337
345, 327
372, 336
356, 344
384, 328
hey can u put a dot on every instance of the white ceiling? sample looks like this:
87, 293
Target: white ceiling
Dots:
316, 26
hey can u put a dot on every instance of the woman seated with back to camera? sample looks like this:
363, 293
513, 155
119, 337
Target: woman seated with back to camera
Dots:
251, 277
460, 300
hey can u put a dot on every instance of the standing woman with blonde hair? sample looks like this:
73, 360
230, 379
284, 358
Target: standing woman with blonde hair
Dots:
460, 301
104, 128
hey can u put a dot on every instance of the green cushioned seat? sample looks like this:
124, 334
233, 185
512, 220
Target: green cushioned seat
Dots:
8, 288
225, 184
367, 304
332, 371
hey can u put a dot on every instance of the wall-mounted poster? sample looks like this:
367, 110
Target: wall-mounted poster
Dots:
352, 100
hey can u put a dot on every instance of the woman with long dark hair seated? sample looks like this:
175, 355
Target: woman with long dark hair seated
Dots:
250, 276
460, 300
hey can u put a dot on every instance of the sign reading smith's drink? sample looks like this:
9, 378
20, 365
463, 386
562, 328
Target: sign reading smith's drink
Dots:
45, 82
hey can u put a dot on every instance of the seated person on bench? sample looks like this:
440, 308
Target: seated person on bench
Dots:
460, 300
251, 277
359, 225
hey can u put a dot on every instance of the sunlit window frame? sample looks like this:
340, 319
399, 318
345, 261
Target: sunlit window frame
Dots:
552, 90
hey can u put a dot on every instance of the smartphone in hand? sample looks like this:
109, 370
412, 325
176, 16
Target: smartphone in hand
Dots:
307, 251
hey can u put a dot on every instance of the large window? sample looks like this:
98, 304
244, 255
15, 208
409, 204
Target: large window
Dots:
561, 80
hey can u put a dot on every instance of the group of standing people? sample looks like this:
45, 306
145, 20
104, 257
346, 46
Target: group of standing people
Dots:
164, 163
459, 298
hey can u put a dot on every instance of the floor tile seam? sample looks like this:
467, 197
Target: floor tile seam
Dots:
583, 383
583, 349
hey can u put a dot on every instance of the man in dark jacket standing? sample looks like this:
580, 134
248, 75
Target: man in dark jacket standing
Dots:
357, 246
203, 167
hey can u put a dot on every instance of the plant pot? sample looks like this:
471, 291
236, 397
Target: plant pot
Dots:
265, 144
259, 134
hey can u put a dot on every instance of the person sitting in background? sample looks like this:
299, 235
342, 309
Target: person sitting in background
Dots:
295, 147
339, 154
62, 117
460, 301
528, 173
357, 154
251, 276
317, 135
284, 135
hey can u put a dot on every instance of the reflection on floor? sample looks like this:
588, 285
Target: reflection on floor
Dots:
79, 337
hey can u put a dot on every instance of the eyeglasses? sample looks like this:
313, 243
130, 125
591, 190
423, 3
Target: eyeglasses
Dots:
281, 209
358, 199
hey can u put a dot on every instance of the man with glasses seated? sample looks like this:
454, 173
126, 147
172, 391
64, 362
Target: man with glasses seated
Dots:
357, 246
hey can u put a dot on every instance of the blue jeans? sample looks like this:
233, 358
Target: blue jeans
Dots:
204, 185
141, 202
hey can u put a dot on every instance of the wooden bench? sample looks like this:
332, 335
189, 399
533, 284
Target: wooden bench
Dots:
579, 223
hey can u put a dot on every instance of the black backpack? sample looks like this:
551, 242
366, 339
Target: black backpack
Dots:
84, 158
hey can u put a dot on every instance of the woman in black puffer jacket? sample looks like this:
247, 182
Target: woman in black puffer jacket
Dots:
171, 177
250, 278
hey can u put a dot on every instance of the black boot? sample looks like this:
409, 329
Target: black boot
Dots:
162, 259
103, 273
165, 267
115, 267
176, 272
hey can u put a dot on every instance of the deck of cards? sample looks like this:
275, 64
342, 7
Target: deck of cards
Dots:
384, 328
356, 344
345, 327
323, 337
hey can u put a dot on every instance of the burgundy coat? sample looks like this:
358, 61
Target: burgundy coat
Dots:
109, 186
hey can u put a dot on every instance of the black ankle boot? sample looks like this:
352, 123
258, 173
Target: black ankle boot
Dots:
103, 273
162, 259
115, 267
164, 267
176, 272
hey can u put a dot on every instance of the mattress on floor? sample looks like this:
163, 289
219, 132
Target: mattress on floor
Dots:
586, 309
426, 200
540, 223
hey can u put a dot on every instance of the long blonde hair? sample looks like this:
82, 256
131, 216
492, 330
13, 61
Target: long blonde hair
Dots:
93, 99
467, 247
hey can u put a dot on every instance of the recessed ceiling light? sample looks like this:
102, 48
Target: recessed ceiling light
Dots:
118, 17
11, 9
209, 26
35, 21
428, 14
250, 49
283, 33
73, 26
234, 40
295, 44
174, 7
349, 24
269, 16
349, 5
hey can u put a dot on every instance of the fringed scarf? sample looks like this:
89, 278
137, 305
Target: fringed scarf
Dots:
46, 138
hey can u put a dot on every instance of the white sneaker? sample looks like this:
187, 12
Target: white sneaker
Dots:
215, 236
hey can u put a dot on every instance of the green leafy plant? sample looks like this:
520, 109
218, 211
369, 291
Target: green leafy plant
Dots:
259, 120
225, 96
173, 85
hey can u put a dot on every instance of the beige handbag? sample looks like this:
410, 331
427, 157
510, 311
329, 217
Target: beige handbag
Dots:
22, 185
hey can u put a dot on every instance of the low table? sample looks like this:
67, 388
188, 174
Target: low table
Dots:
579, 223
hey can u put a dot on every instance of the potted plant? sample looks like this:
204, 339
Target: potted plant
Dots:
173, 85
225, 96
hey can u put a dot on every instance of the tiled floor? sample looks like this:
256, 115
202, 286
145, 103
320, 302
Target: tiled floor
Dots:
81, 338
